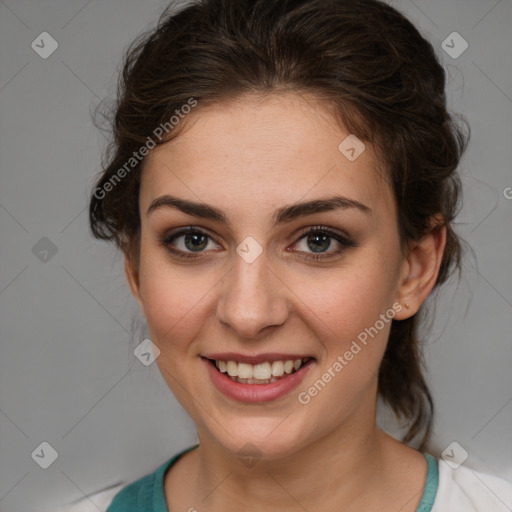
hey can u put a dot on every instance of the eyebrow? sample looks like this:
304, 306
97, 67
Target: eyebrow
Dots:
282, 215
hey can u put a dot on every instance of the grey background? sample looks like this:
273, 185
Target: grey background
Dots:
68, 375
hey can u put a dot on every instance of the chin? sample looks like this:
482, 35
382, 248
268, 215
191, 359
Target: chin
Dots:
260, 439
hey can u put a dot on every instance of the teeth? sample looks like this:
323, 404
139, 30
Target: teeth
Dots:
232, 369
245, 371
277, 368
262, 373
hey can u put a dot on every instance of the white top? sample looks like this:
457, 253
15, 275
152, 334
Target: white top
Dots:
459, 490
466, 490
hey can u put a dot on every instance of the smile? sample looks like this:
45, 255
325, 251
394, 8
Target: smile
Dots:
262, 378
263, 373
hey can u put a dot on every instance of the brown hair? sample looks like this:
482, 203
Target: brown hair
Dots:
365, 59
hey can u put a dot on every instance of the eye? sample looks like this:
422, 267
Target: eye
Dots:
319, 240
190, 243
193, 241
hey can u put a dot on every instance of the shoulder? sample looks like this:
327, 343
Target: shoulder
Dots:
119, 497
134, 495
123, 497
91, 503
467, 490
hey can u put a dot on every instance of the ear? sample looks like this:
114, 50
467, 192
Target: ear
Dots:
420, 270
132, 276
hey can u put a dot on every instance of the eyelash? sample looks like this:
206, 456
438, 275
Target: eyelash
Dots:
345, 242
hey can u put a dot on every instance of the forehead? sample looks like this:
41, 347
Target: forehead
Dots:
260, 152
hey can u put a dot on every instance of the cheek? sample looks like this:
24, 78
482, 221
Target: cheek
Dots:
350, 312
175, 302
175, 298
171, 305
351, 316
348, 299
174, 308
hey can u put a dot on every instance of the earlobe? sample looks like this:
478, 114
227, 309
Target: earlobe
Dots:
132, 276
421, 269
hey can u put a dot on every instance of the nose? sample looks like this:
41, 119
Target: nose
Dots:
253, 298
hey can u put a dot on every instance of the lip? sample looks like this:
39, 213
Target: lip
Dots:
257, 359
256, 393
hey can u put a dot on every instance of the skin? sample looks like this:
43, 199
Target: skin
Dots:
248, 158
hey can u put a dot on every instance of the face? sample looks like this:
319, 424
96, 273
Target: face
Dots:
297, 257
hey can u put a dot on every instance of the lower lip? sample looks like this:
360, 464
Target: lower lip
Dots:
252, 393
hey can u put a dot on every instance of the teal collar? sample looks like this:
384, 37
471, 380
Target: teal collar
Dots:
431, 483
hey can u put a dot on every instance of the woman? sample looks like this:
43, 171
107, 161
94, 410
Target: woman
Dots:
282, 184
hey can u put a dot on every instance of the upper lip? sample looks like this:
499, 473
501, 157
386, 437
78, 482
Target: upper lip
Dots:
255, 359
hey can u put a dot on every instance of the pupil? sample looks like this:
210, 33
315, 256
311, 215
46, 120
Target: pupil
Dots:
194, 238
324, 239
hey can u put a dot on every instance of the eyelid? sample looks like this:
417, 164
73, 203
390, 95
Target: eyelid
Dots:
167, 238
324, 229
341, 237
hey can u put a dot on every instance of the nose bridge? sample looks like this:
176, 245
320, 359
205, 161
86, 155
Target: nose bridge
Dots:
252, 297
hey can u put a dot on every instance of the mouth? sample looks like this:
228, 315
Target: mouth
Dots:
264, 372
257, 378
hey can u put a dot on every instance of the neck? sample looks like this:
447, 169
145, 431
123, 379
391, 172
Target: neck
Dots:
339, 467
